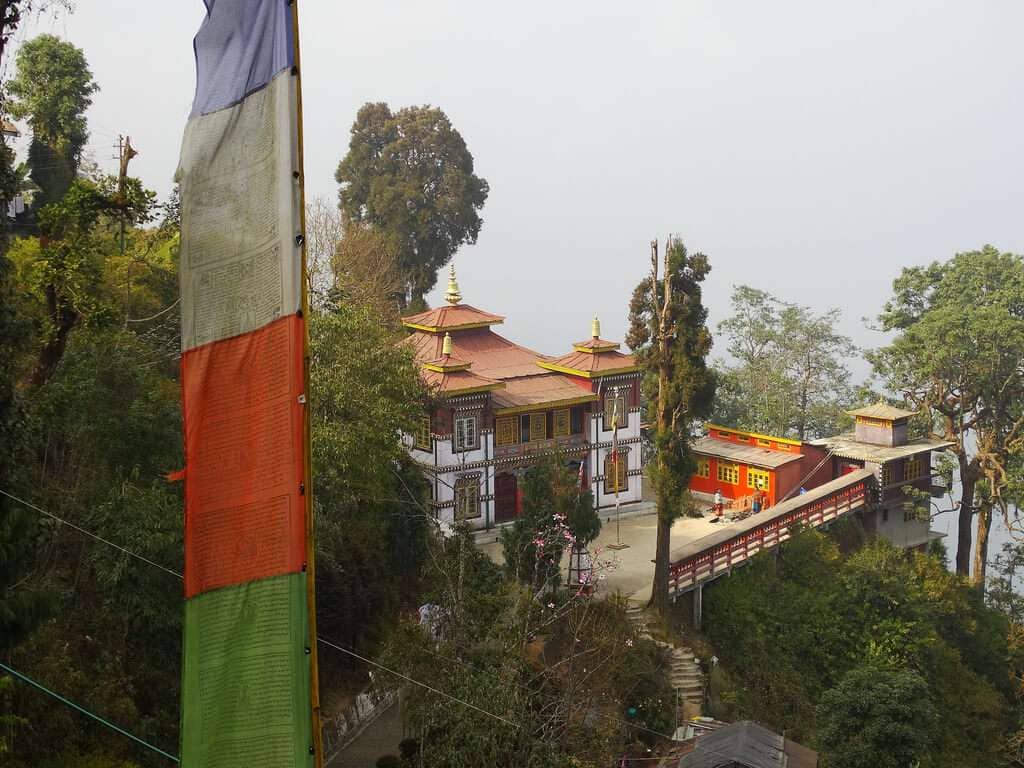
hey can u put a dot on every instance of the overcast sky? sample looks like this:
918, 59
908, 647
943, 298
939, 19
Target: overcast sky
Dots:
810, 149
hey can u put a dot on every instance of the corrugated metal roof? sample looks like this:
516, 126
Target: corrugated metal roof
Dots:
846, 446
744, 454
749, 745
882, 410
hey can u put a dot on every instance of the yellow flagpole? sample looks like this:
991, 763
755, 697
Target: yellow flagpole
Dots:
314, 671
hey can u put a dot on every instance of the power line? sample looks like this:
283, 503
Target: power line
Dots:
417, 682
87, 713
90, 534
154, 317
325, 641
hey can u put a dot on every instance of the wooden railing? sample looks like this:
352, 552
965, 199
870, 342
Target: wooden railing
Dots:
714, 555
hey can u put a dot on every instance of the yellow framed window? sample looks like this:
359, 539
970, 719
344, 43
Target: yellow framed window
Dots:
561, 423
912, 468
538, 427
757, 479
421, 438
616, 469
728, 473
467, 497
506, 430
703, 468
764, 443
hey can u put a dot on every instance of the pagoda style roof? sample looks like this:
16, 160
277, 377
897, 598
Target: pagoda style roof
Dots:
548, 389
492, 355
459, 381
592, 358
595, 345
768, 458
882, 410
451, 318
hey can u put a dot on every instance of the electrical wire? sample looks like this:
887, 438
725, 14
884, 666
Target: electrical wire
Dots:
86, 712
322, 639
430, 688
154, 317
90, 534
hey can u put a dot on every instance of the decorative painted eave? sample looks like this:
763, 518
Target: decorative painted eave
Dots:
598, 373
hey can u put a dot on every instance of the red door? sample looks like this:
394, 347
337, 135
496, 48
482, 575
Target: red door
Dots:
505, 493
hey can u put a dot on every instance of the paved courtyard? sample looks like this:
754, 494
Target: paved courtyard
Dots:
628, 571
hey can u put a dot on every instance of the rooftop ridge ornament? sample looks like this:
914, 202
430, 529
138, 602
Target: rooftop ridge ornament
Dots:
595, 328
452, 296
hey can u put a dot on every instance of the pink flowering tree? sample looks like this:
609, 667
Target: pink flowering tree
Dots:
556, 515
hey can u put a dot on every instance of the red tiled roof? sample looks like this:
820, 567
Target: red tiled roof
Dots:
491, 355
548, 389
448, 318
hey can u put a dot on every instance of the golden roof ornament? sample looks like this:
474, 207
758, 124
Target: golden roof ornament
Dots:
446, 346
452, 296
595, 328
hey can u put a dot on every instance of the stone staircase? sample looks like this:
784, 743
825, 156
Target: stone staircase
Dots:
684, 672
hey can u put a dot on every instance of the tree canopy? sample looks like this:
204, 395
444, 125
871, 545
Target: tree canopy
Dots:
957, 356
52, 90
857, 653
410, 175
788, 375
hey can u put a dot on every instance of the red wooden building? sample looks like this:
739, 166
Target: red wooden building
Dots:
741, 464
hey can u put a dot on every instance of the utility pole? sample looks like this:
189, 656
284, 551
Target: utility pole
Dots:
125, 153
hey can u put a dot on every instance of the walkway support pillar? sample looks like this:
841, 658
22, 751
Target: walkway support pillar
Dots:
698, 606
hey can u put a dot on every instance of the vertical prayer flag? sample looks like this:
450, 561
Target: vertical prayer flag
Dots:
249, 658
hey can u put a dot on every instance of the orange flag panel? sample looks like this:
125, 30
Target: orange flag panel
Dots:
244, 510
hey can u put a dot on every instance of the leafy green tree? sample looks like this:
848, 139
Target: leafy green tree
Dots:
369, 499
877, 717
956, 356
790, 375
52, 90
65, 269
792, 626
669, 335
410, 175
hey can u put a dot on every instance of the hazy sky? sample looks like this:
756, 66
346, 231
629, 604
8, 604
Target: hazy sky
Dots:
809, 148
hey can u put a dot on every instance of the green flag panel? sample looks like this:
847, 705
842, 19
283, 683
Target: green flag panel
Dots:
245, 686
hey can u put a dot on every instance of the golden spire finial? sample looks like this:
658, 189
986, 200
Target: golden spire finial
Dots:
453, 296
446, 345
595, 328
